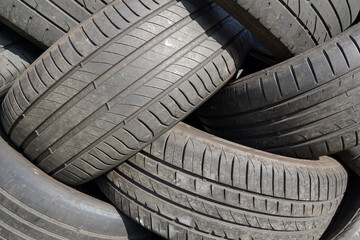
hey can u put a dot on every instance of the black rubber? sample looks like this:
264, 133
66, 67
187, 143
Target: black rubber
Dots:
346, 223
351, 157
293, 26
16, 54
120, 80
352, 231
191, 185
35, 206
305, 107
45, 21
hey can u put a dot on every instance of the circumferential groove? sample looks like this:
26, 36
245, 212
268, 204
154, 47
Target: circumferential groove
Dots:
43, 16
337, 15
321, 18
212, 30
303, 25
81, 63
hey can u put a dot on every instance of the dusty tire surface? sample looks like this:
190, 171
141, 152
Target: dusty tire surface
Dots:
191, 185
118, 81
44, 22
16, 54
306, 107
292, 27
35, 206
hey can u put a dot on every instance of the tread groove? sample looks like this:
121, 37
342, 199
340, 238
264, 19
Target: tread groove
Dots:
293, 75
90, 57
312, 69
156, 99
329, 61
344, 55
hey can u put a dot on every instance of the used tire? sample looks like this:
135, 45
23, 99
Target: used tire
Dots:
45, 21
346, 223
293, 26
35, 206
16, 55
306, 107
191, 185
118, 81
352, 231
351, 158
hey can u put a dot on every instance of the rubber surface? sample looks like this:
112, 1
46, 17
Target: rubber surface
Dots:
191, 185
352, 231
306, 107
45, 21
35, 206
16, 54
120, 80
346, 223
293, 26
352, 158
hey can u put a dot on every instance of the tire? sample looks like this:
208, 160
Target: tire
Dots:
15, 56
191, 185
346, 223
262, 55
305, 107
292, 27
82, 109
352, 231
35, 206
45, 21
351, 158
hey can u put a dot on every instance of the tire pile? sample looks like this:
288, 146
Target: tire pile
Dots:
180, 119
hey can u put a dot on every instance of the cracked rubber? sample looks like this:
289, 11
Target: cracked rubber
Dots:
191, 185
45, 21
118, 81
35, 206
293, 26
16, 54
305, 107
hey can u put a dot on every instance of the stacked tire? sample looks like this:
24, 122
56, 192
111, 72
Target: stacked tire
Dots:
106, 98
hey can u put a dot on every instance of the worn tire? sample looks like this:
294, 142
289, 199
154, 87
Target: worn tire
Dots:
45, 21
191, 185
16, 54
109, 88
292, 27
352, 230
35, 206
346, 223
351, 157
306, 107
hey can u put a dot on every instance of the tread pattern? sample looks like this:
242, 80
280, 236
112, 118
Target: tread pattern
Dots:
35, 206
346, 223
44, 22
15, 56
298, 24
305, 107
155, 63
191, 185
293, 26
